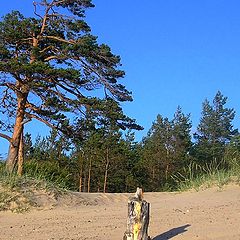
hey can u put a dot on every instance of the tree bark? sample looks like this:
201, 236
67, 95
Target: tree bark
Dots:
166, 172
80, 183
17, 132
21, 155
138, 218
85, 182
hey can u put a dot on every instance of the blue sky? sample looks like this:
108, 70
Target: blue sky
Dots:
174, 53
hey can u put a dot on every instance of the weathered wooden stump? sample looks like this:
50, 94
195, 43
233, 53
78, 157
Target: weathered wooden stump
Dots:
138, 218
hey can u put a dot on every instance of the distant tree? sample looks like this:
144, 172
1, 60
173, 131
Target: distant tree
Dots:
50, 148
214, 130
132, 171
182, 142
28, 146
24, 151
156, 152
49, 64
166, 148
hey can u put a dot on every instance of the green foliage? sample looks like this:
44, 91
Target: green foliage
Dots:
101, 158
49, 171
214, 131
165, 149
38, 52
232, 154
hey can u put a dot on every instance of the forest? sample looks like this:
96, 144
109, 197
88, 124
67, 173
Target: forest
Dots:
53, 70
107, 159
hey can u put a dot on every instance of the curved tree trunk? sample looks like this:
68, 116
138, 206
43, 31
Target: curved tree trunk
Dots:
22, 91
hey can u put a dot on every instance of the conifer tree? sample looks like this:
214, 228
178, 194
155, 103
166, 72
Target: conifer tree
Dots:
49, 64
214, 130
157, 152
166, 148
181, 138
99, 148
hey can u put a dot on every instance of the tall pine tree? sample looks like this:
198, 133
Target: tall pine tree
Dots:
214, 130
49, 66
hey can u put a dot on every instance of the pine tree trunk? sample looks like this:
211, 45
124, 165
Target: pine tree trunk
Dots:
17, 132
85, 182
89, 175
20, 155
80, 182
167, 167
166, 172
106, 171
138, 218
81, 174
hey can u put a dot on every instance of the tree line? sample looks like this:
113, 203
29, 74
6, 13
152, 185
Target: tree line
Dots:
107, 159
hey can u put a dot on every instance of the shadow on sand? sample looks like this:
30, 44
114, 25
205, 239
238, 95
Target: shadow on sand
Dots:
172, 233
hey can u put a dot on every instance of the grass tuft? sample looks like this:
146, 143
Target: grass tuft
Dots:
200, 177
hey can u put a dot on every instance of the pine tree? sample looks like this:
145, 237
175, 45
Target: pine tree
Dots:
166, 148
100, 149
49, 63
182, 142
157, 150
214, 130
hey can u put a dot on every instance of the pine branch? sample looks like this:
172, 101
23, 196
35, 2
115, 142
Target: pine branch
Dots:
30, 115
39, 110
60, 39
54, 57
5, 136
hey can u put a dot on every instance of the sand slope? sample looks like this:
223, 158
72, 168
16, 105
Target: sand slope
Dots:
205, 215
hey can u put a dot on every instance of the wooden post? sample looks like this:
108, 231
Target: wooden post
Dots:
138, 218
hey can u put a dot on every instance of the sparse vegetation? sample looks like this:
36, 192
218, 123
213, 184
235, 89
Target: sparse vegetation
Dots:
19, 193
198, 177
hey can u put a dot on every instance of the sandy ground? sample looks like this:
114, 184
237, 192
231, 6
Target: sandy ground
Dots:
209, 214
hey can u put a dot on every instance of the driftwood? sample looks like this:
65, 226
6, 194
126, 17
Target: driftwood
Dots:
138, 218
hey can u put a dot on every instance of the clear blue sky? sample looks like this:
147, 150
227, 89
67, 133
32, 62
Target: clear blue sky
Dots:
174, 53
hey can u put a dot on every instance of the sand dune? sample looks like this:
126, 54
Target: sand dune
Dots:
204, 215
